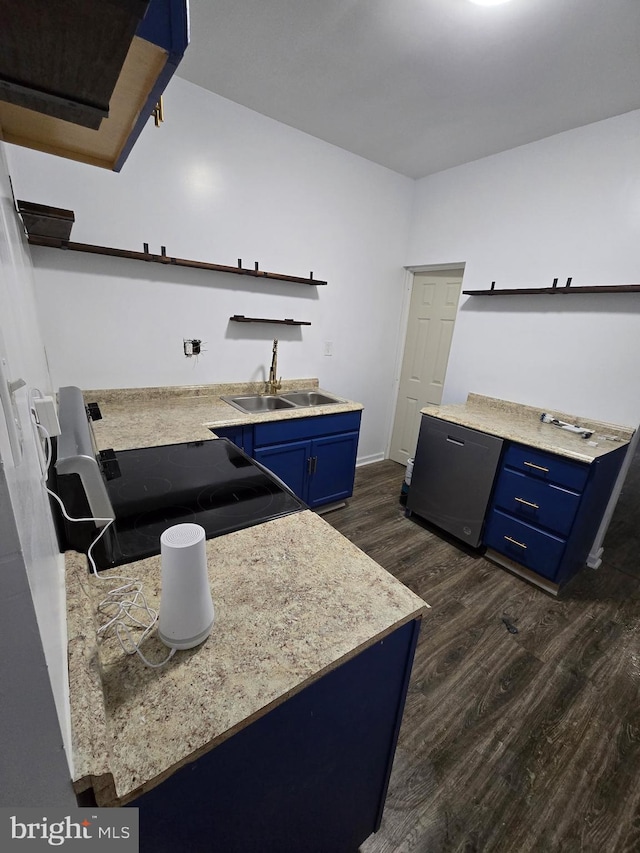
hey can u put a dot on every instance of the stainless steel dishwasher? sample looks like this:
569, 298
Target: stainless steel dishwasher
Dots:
452, 478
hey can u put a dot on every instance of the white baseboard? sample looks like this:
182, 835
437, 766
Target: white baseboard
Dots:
367, 460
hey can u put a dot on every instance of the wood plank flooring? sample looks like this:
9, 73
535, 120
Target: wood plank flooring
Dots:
526, 741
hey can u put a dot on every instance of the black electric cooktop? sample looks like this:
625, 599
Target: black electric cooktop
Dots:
211, 483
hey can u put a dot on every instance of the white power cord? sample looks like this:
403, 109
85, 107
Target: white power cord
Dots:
124, 607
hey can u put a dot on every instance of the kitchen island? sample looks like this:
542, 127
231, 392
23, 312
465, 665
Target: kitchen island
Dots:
312, 645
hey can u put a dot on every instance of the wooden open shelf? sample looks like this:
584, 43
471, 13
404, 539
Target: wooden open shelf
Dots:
566, 290
240, 318
163, 258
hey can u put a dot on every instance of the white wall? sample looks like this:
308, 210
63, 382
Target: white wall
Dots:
218, 182
566, 206
33, 669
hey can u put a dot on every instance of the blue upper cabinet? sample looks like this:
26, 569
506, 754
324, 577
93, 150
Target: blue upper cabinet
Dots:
165, 27
81, 78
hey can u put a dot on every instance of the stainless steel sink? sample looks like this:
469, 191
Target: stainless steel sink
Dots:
259, 402
309, 398
250, 403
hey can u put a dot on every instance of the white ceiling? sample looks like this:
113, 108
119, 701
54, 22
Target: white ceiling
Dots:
420, 85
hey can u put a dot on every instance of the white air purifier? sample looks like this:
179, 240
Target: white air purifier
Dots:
186, 607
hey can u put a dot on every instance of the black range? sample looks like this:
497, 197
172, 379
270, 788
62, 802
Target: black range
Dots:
212, 483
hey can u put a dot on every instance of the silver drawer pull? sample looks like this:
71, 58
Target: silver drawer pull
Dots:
515, 542
526, 503
537, 467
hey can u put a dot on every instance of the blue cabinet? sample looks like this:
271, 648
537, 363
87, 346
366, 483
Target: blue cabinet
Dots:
81, 80
290, 461
309, 775
315, 456
546, 510
241, 436
165, 28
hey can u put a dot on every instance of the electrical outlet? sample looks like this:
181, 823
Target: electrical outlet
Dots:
47, 415
328, 347
192, 346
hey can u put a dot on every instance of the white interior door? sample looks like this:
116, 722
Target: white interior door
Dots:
432, 314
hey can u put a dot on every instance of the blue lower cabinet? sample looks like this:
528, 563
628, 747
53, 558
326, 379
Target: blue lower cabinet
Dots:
333, 468
542, 504
314, 456
310, 776
319, 470
241, 436
546, 510
532, 548
289, 462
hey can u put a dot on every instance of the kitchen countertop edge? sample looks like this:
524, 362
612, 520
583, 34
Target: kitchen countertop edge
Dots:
521, 423
146, 417
100, 741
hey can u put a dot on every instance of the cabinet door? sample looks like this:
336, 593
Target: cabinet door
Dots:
289, 461
333, 468
310, 775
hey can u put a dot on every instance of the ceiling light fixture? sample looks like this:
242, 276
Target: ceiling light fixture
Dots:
489, 2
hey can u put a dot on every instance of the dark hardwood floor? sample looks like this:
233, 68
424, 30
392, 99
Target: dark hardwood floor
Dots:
526, 741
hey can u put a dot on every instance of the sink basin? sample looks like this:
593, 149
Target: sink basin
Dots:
250, 403
259, 402
309, 398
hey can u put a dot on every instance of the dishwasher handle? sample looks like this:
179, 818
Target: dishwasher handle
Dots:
453, 440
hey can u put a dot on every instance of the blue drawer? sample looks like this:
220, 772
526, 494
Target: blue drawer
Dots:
296, 429
548, 467
538, 551
536, 502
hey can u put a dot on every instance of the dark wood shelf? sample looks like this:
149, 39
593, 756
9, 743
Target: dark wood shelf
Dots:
566, 290
163, 258
240, 318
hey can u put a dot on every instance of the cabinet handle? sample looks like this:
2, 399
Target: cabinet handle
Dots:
537, 467
309, 464
315, 464
526, 503
515, 542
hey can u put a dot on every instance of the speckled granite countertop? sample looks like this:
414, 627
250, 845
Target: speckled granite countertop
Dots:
520, 423
293, 600
147, 417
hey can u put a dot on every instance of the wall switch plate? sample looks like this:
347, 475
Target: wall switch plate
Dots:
47, 415
328, 347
